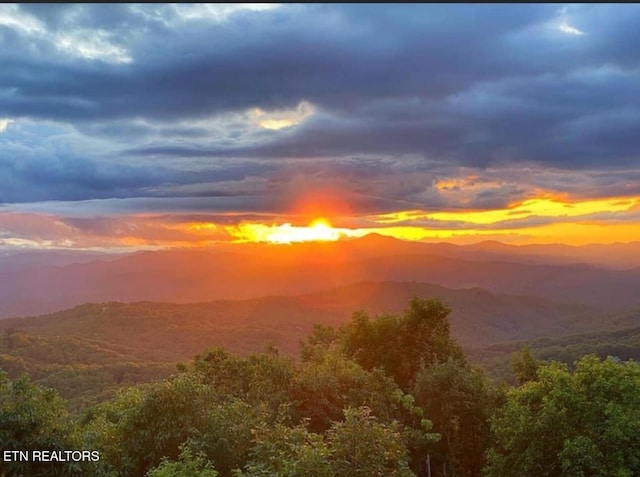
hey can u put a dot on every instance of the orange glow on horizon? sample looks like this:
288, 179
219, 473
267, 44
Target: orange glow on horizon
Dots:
325, 202
540, 207
559, 221
544, 220
319, 230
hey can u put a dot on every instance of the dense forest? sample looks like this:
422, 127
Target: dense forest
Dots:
387, 395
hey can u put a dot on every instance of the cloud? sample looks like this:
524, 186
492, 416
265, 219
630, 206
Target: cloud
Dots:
283, 118
571, 30
4, 123
29, 229
189, 107
71, 39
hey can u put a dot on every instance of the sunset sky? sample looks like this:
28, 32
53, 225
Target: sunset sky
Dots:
133, 126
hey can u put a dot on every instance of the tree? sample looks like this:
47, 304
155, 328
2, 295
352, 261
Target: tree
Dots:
524, 365
226, 436
189, 465
332, 382
35, 419
264, 378
288, 451
357, 446
362, 446
457, 399
318, 342
145, 424
209, 408
401, 344
570, 424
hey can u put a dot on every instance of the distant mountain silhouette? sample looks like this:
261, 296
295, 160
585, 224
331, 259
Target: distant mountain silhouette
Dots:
240, 271
14, 261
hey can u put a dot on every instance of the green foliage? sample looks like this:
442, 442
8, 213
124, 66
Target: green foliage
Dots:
525, 366
580, 423
498, 359
288, 451
318, 342
416, 350
261, 379
457, 399
82, 371
362, 446
332, 382
401, 344
357, 446
32, 418
265, 415
209, 408
144, 425
189, 465
225, 437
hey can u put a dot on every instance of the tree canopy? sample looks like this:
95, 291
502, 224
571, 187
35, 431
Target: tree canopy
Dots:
381, 395
584, 422
400, 344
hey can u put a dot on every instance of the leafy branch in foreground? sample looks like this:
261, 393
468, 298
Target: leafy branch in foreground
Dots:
563, 423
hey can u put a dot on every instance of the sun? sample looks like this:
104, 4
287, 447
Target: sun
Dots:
318, 230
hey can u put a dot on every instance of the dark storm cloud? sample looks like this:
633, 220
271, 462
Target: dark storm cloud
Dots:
39, 164
69, 177
423, 88
336, 58
142, 205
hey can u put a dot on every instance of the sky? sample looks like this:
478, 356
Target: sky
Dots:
129, 126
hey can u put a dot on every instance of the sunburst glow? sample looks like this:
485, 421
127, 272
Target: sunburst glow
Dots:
540, 220
318, 230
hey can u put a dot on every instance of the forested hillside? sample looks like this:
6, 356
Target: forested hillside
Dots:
391, 394
84, 372
89, 351
177, 331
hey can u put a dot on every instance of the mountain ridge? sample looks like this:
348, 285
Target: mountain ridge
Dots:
479, 317
239, 272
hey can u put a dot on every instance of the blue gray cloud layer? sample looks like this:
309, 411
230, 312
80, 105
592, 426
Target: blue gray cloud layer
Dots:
133, 101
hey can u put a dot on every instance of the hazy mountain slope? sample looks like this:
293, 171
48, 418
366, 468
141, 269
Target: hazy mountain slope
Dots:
11, 261
177, 331
616, 255
622, 342
234, 272
566, 283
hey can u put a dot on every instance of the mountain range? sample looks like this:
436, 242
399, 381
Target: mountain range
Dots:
254, 270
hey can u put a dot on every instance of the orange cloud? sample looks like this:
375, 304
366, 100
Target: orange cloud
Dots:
545, 219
